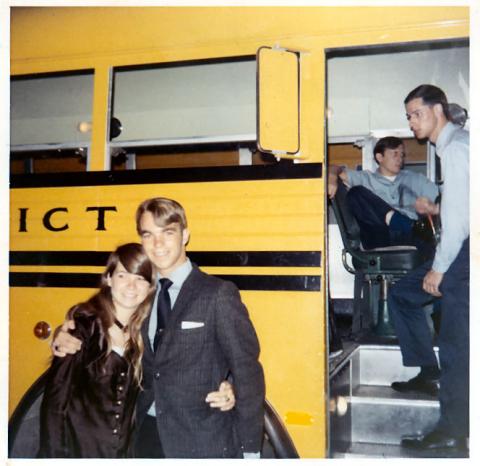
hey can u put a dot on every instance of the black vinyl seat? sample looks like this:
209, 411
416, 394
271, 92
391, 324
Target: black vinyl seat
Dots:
374, 269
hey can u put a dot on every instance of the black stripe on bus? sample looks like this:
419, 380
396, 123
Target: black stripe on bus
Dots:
207, 258
92, 280
280, 171
52, 74
181, 63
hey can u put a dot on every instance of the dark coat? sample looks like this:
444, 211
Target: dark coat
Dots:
208, 336
88, 405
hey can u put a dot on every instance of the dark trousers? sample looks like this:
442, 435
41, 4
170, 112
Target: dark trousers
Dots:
147, 444
369, 210
405, 303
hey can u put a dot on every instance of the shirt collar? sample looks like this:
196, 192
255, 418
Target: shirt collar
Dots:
180, 274
445, 137
383, 177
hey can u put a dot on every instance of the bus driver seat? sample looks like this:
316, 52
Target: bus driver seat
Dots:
375, 270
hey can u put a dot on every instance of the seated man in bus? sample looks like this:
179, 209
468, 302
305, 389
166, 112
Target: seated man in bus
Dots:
383, 202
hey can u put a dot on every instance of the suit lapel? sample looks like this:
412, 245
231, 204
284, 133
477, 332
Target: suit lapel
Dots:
185, 296
144, 331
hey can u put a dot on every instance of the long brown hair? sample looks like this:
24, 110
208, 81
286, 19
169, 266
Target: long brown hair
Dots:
133, 258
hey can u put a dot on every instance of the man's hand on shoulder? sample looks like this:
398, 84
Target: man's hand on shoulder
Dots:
63, 342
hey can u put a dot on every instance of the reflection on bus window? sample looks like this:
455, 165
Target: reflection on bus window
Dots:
51, 117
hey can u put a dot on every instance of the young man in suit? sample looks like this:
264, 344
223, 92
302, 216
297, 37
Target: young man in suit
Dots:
447, 276
204, 336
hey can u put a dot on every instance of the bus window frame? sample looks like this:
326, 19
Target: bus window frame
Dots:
132, 147
82, 146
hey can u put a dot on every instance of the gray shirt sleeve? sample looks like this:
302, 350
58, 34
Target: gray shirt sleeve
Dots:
426, 188
454, 207
356, 177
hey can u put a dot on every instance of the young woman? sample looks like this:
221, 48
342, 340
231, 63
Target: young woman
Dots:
89, 400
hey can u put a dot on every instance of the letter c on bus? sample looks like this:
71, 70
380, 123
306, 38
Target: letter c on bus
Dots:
48, 215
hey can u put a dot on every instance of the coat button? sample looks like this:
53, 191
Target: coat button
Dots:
119, 402
157, 375
120, 388
115, 431
117, 416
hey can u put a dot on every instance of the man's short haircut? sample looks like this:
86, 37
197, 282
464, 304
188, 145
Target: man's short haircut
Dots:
388, 142
430, 95
164, 211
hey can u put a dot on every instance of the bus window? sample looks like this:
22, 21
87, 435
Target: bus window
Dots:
51, 118
185, 114
366, 86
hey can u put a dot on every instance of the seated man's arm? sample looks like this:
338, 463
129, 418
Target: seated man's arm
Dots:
335, 172
425, 206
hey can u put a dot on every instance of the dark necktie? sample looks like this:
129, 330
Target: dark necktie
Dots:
163, 309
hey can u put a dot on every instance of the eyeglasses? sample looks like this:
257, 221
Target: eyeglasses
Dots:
417, 113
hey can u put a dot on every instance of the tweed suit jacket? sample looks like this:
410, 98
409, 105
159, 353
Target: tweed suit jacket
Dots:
208, 336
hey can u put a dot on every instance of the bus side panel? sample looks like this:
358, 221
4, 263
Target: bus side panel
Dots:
230, 216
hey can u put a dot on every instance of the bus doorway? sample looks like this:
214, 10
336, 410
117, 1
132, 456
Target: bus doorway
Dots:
364, 98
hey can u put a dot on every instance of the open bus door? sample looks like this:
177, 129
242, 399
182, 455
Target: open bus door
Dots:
367, 417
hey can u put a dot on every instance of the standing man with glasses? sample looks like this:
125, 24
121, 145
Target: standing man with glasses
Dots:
447, 275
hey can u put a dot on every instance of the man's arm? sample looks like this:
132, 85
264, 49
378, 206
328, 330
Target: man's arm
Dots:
454, 212
431, 282
239, 344
425, 206
64, 343
335, 172
224, 398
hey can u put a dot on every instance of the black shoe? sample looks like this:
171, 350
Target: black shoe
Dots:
434, 440
419, 384
427, 229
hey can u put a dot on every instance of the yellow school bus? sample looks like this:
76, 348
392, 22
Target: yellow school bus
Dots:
225, 109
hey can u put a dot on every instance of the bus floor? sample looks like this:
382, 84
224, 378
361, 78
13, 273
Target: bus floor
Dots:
374, 417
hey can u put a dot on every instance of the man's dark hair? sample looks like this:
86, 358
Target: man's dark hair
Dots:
430, 95
389, 142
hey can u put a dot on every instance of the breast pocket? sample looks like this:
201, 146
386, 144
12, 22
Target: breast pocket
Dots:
191, 337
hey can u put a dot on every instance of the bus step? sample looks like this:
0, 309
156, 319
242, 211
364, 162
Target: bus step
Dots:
381, 415
368, 417
379, 365
381, 450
